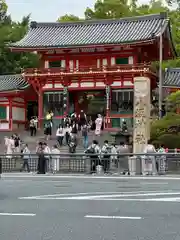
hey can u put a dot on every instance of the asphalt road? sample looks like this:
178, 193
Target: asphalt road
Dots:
89, 209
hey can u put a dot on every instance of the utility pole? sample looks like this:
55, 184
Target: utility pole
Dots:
160, 72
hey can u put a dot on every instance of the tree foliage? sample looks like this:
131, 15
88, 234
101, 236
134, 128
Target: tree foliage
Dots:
166, 131
10, 31
105, 9
68, 18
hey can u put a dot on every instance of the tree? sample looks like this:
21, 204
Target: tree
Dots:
173, 102
11, 62
3, 12
68, 18
104, 9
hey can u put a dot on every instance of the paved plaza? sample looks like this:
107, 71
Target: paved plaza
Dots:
85, 208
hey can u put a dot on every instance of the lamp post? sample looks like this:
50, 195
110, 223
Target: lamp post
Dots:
160, 71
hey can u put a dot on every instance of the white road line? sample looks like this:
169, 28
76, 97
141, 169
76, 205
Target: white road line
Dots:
76, 195
140, 199
64, 194
18, 214
113, 217
114, 196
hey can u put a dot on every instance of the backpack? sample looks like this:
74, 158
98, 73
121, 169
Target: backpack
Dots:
107, 152
91, 150
16, 142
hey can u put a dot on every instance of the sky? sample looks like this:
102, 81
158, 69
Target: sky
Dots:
46, 10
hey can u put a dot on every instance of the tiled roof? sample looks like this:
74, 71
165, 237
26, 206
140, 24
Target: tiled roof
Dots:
83, 33
12, 83
172, 77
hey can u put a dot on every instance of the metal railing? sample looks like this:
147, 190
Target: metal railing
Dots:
93, 163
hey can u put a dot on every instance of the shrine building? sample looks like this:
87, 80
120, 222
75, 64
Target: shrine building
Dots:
89, 65
171, 81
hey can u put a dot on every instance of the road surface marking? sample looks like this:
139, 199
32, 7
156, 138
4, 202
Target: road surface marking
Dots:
18, 214
64, 194
112, 217
175, 199
104, 197
87, 195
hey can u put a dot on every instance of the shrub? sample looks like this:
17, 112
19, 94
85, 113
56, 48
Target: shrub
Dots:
170, 124
170, 141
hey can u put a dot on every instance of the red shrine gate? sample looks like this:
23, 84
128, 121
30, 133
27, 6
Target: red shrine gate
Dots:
92, 57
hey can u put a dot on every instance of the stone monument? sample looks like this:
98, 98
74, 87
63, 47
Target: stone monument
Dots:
141, 116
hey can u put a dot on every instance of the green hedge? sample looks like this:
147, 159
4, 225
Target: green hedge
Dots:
166, 131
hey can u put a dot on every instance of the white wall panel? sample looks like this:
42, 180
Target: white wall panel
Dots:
4, 126
18, 114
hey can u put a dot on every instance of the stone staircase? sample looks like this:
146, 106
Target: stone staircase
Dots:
32, 141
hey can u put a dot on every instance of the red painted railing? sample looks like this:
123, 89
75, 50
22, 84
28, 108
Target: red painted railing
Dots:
88, 70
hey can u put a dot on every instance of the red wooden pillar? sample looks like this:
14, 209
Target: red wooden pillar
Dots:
40, 108
108, 120
10, 114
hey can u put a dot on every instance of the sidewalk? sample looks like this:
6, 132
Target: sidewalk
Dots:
82, 176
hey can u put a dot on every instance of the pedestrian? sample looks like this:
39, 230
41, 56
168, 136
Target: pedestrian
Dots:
48, 129
106, 154
9, 146
60, 135
17, 142
162, 160
82, 120
32, 127
98, 124
55, 158
85, 136
72, 143
149, 161
26, 158
94, 153
67, 131
41, 168
123, 165
74, 129
47, 156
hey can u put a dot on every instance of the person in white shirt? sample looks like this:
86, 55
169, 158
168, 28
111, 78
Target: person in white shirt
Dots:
98, 123
55, 158
47, 156
60, 135
149, 161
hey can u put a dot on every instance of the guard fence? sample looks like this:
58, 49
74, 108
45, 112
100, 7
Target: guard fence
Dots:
93, 163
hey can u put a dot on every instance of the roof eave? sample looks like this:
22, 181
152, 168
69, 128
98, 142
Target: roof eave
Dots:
46, 48
171, 43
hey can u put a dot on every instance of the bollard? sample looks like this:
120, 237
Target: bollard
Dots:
99, 170
132, 165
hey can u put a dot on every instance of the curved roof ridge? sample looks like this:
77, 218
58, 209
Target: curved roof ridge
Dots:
162, 15
12, 82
